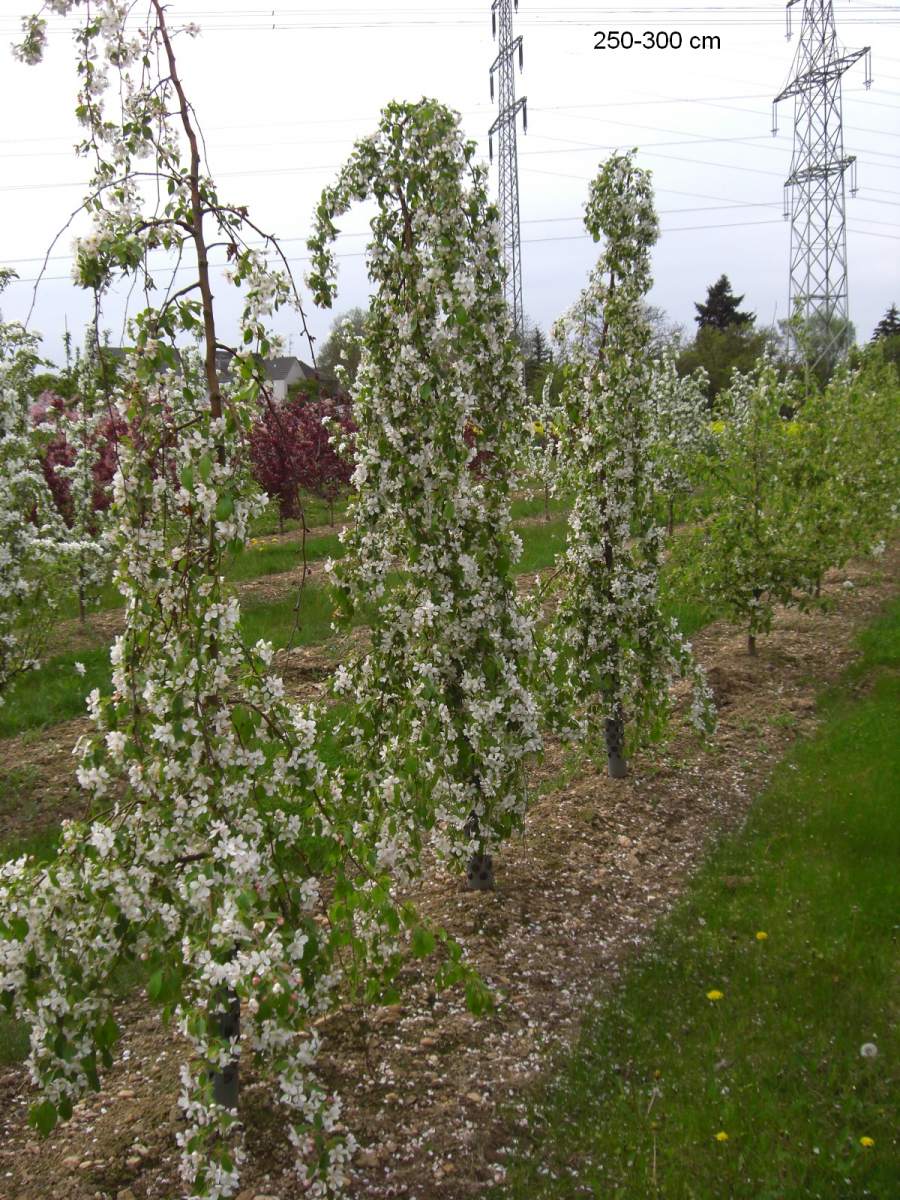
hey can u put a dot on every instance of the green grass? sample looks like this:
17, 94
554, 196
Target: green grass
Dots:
56, 692
541, 544
276, 557
316, 515
775, 1064
272, 558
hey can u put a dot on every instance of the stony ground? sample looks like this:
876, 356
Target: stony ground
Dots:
431, 1093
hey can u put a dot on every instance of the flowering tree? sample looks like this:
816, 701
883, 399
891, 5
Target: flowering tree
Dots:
293, 449
443, 718
749, 555
276, 455
614, 655
680, 416
79, 465
32, 536
326, 462
844, 466
221, 852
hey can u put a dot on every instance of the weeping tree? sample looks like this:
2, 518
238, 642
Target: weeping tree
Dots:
221, 853
614, 654
442, 717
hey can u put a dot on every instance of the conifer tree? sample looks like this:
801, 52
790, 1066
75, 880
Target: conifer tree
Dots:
721, 308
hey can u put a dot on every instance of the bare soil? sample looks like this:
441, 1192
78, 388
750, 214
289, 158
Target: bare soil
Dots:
431, 1093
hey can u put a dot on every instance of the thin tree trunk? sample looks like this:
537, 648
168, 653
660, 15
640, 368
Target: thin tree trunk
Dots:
227, 1019
616, 765
751, 645
546, 502
480, 868
671, 522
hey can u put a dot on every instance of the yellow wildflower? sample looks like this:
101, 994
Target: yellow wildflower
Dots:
761, 936
867, 1143
721, 1136
715, 994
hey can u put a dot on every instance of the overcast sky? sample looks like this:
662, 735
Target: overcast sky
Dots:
283, 93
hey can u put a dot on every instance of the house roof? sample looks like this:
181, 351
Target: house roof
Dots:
281, 367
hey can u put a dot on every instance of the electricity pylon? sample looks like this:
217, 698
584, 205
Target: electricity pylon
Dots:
508, 163
814, 192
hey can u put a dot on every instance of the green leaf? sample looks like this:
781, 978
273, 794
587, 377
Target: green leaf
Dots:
422, 942
205, 468
187, 478
225, 507
43, 1117
107, 1034
155, 986
478, 998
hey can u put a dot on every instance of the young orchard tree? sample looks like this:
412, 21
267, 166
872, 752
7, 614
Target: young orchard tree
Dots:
680, 415
219, 852
276, 447
751, 553
34, 554
864, 450
85, 450
326, 462
615, 654
443, 718
293, 450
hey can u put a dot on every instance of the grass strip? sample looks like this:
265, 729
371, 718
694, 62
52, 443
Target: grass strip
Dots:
56, 691
752, 1050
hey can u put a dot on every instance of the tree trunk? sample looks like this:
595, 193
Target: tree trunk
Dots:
480, 867
616, 766
546, 502
751, 645
227, 1021
671, 522
331, 510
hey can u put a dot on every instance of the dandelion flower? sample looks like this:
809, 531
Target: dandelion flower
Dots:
715, 994
721, 1136
761, 935
868, 1050
867, 1143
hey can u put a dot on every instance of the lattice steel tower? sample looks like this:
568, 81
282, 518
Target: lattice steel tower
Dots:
508, 163
814, 191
